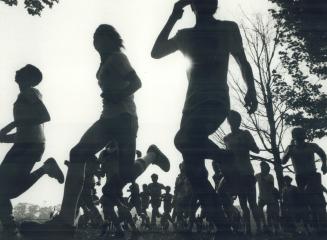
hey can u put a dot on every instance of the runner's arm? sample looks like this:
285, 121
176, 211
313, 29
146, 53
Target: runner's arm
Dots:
4, 136
8, 128
164, 46
122, 66
252, 144
134, 84
238, 53
321, 153
287, 155
8, 138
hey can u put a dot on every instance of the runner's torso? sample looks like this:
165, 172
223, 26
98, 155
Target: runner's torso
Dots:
208, 49
238, 143
303, 159
22, 110
111, 79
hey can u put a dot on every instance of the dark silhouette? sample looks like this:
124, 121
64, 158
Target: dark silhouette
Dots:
307, 178
290, 205
208, 45
16, 175
134, 200
145, 203
167, 199
241, 142
266, 195
118, 82
155, 194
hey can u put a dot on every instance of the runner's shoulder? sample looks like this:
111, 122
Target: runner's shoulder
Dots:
311, 145
229, 25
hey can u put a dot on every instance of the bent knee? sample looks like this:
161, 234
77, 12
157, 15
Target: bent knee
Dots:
184, 142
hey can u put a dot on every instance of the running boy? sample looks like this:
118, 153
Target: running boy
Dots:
167, 199
266, 191
16, 174
208, 45
241, 142
307, 178
118, 121
155, 194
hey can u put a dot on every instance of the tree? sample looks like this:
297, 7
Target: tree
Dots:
34, 7
305, 31
20, 211
33, 211
280, 93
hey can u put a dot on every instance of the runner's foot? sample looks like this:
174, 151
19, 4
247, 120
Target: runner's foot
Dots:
161, 160
52, 169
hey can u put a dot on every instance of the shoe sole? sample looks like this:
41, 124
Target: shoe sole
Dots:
58, 174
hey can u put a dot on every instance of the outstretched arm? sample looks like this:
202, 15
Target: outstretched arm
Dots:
238, 53
163, 46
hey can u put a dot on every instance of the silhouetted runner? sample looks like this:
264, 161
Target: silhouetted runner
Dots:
145, 203
290, 206
16, 174
307, 178
155, 193
266, 192
208, 45
167, 199
241, 142
118, 120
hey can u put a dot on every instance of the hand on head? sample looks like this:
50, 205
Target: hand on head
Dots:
178, 8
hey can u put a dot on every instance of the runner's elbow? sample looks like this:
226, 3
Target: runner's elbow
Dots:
156, 53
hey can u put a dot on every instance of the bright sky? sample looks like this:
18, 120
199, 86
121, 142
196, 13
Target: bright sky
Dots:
60, 44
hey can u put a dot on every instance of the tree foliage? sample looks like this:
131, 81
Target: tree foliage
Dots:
305, 31
34, 7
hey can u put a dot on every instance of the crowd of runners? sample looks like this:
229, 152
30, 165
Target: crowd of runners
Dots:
294, 210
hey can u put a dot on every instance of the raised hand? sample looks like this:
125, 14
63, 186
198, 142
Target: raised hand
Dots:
178, 8
251, 102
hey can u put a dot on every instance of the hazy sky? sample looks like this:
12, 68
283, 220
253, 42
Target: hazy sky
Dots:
60, 44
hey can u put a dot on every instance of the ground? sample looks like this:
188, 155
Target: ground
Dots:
94, 235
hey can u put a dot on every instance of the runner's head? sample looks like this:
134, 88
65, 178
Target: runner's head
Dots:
144, 187
265, 168
299, 134
204, 7
28, 76
154, 178
107, 40
167, 188
234, 119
